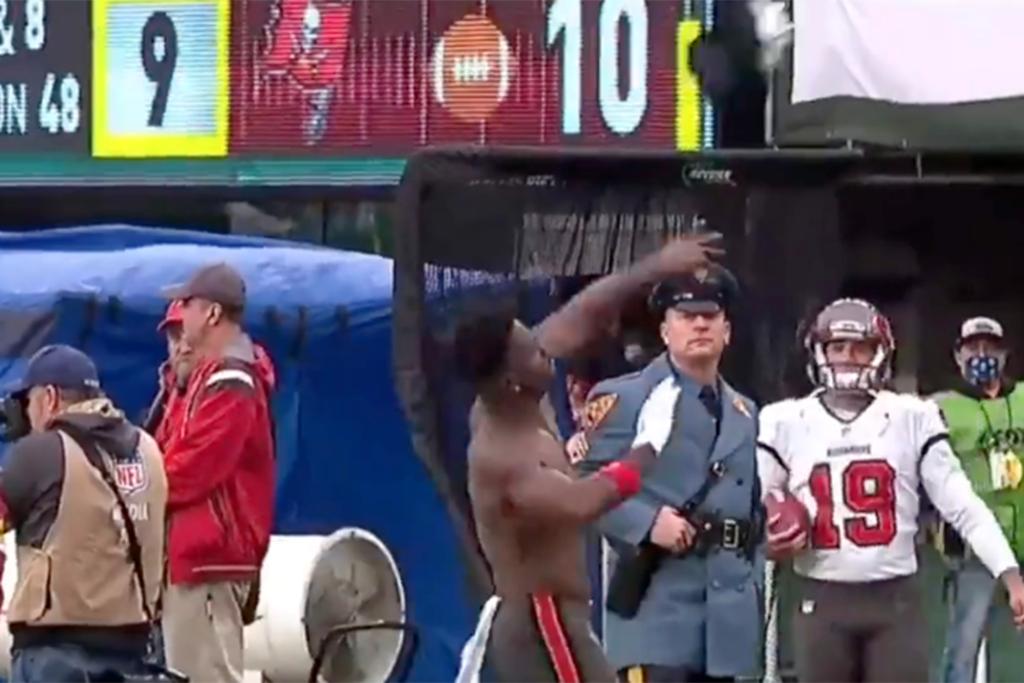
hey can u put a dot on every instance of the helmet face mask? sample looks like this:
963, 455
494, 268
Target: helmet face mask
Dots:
849, 320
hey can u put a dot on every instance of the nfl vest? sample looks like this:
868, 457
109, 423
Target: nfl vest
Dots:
83, 575
988, 438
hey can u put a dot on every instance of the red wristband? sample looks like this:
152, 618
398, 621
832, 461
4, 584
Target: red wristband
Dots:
624, 475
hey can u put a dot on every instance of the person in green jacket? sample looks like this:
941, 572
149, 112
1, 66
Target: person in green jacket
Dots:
985, 416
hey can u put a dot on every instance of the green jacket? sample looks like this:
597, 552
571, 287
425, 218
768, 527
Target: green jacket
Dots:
979, 426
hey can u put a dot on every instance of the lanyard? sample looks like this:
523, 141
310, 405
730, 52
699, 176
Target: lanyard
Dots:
988, 420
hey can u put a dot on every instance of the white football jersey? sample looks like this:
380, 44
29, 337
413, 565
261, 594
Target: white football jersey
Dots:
860, 481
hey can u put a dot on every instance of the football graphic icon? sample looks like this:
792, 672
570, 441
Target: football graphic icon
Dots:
472, 68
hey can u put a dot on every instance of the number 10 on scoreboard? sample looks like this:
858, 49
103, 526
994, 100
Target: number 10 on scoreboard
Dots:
160, 78
624, 112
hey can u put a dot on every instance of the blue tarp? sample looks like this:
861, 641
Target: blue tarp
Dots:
343, 449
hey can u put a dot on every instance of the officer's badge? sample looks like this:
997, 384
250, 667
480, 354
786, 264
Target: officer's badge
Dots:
741, 407
700, 275
596, 410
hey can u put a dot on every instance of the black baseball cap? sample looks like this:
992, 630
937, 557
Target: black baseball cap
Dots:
705, 290
58, 365
218, 283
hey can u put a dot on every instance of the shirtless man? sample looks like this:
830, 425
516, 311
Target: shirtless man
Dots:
529, 508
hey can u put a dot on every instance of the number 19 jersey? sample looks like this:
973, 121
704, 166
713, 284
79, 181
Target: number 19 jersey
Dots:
860, 480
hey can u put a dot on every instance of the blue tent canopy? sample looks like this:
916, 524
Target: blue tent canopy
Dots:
344, 455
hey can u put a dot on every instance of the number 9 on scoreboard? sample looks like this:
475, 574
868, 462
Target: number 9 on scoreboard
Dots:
160, 78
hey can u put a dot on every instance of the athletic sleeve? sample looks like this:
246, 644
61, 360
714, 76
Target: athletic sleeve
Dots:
953, 496
772, 465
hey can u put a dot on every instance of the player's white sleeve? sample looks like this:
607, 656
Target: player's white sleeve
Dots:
953, 496
772, 467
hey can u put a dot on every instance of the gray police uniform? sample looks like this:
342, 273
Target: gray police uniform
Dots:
701, 615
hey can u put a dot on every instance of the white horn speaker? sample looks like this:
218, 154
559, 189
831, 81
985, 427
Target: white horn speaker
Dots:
313, 587
310, 586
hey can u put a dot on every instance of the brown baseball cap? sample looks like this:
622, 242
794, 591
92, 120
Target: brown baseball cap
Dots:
219, 283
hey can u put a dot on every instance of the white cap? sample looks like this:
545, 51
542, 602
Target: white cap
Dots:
974, 327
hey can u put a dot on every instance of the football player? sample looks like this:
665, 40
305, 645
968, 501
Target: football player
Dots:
856, 456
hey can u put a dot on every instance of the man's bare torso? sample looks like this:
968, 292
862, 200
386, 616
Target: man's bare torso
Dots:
527, 553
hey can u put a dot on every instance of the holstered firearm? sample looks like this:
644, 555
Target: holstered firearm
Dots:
634, 570
631, 579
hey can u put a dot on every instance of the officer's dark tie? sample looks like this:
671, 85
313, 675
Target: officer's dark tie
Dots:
709, 398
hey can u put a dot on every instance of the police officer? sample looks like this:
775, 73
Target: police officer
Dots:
687, 542
85, 494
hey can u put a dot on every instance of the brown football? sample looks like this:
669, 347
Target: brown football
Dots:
791, 513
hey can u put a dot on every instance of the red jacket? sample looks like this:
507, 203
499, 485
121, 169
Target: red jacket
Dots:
220, 469
164, 413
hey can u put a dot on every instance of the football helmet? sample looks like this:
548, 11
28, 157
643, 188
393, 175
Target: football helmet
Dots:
849, 320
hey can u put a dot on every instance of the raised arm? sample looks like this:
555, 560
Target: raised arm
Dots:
589, 314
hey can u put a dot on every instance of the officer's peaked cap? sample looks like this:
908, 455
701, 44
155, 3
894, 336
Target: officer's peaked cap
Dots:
705, 290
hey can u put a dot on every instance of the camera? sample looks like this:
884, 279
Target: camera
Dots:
14, 422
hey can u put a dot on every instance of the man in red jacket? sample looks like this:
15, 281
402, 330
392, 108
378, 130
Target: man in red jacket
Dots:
220, 473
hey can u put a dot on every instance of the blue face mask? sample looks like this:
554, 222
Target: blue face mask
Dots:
982, 370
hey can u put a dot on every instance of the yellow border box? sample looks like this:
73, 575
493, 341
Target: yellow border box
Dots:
688, 99
106, 144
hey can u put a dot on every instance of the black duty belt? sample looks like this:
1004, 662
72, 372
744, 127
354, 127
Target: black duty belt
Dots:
724, 533
634, 569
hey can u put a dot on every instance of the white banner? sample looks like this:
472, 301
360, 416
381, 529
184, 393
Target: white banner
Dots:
908, 51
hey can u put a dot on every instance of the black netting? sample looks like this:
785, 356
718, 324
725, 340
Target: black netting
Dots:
523, 227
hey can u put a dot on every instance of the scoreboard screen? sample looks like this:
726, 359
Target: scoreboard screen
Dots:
236, 80
160, 77
45, 80
395, 75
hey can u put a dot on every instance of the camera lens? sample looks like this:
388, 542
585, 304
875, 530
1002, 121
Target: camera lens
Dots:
13, 419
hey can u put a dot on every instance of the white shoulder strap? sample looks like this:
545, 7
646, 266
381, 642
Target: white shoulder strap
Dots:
226, 375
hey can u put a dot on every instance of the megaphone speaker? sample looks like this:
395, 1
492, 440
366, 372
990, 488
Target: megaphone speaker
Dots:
334, 604
355, 581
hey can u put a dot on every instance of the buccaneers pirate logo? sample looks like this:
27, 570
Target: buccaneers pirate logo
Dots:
307, 40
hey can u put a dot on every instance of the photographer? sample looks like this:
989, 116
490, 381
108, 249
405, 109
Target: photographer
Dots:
87, 581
